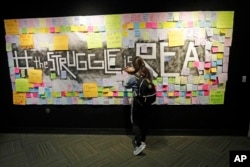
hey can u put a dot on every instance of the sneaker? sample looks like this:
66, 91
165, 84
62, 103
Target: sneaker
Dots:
143, 143
139, 149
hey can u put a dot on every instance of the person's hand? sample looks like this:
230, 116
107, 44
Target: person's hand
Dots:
129, 69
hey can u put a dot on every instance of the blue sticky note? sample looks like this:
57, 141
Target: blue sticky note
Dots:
17, 76
137, 33
182, 93
219, 62
214, 63
213, 77
63, 74
200, 93
136, 25
207, 76
160, 100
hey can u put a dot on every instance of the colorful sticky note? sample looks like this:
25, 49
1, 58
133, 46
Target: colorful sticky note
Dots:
176, 38
22, 85
35, 75
90, 90
19, 98
61, 42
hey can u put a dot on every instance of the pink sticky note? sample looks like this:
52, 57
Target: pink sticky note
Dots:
90, 28
36, 85
206, 93
176, 93
214, 49
28, 95
164, 87
17, 70
154, 25
205, 86
52, 29
63, 93
159, 94
34, 94
165, 99
190, 24
189, 94
115, 93
148, 25
207, 65
196, 64
41, 84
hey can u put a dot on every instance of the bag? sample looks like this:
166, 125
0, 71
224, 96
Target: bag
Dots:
146, 93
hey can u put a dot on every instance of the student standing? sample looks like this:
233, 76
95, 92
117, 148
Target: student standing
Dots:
138, 111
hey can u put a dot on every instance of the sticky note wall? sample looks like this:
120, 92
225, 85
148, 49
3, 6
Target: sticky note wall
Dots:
79, 59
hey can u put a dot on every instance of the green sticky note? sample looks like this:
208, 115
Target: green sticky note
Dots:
22, 85
53, 75
217, 96
171, 80
159, 80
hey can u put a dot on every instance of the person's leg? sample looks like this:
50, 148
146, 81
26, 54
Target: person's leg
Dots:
144, 119
136, 121
137, 134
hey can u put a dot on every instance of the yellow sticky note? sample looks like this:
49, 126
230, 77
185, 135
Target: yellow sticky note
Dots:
114, 39
219, 56
73, 28
113, 22
176, 16
19, 98
130, 26
177, 100
57, 29
61, 42
124, 33
124, 26
142, 25
11, 26
169, 24
177, 80
106, 90
26, 41
31, 30
213, 69
188, 100
94, 40
170, 94
53, 94
176, 38
183, 80
35, 75
201, 79
225, 19
196, 80
90, 90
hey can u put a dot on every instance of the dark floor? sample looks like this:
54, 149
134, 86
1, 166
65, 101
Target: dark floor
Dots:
76, 150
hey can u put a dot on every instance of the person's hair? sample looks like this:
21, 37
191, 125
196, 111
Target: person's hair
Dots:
140, 68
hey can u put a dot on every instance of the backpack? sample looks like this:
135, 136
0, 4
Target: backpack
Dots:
146, 92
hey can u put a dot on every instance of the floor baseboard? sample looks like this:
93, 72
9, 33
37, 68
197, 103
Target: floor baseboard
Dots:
120, 131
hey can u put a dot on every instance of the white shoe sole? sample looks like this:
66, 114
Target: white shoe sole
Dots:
139, 149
